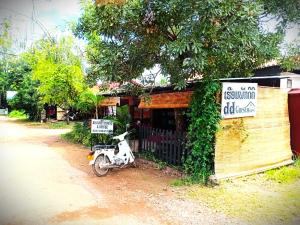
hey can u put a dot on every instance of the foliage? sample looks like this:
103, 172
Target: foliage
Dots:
19, 78
18, 114
287, 174
58, 71
5, 38
121, 120
253, 200
5, 44
204, 120
81, 133
182, 182
60, 125
148, 155
49, 72
184, 38
284, 11
89, 101
291, 60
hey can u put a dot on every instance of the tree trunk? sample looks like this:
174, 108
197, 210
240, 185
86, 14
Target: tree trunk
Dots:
96, 112
68, 118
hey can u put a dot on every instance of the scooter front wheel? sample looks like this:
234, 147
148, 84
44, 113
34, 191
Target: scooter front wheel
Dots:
98, 169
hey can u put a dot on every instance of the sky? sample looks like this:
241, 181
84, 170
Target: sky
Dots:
54, 15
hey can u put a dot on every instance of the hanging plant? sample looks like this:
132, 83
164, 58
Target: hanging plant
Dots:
204, 122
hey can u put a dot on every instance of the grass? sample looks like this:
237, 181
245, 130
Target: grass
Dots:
60, 125
181, 182
256, 206
50, 125
269, 198
148, 155
287, 174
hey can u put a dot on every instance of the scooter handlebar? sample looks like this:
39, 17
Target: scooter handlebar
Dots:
121, 137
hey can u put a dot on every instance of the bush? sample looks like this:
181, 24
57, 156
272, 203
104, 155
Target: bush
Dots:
19, 114
81, 134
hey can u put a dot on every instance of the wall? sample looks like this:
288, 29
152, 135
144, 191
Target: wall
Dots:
295, 81
252, 144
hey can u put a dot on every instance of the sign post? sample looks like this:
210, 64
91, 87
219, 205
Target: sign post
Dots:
239, 100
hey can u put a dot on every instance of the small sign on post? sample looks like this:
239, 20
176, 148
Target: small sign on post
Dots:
101, 126
238, 100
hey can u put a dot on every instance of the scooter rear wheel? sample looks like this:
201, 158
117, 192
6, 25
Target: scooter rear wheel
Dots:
99, 162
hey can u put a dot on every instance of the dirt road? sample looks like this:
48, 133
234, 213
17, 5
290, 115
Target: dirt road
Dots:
47, 181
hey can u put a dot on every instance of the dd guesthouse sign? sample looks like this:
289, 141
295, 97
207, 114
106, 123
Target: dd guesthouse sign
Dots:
102, 127
239, 100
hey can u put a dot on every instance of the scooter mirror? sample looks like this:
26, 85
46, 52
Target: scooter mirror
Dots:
127, 126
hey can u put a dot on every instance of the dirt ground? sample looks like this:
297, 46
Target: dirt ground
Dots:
45, 180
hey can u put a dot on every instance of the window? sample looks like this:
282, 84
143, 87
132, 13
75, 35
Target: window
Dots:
289, 83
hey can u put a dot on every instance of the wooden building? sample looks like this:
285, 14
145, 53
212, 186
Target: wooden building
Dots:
243, 145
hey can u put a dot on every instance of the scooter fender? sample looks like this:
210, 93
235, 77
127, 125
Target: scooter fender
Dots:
109, 154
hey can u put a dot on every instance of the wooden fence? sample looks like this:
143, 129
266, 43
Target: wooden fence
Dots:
166, 145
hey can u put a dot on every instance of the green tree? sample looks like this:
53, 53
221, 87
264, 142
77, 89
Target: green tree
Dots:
58, 71
291, 59
185, 38
283, 11
18, 77
5, 38
89, 101
5, 45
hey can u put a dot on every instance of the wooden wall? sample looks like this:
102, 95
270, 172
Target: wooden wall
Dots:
252, 144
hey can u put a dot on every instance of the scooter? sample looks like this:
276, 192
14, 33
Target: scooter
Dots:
105, 157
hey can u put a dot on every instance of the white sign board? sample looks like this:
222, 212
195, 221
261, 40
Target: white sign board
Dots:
3, 111
102, 127
239, 100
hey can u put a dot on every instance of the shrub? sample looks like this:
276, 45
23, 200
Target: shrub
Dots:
81, 134
19, 114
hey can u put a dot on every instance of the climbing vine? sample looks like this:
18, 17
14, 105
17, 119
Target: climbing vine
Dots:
204, 121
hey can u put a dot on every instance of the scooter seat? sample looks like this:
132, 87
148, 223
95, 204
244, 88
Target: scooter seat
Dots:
99, 147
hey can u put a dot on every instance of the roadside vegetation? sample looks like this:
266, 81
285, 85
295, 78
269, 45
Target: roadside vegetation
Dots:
81, 131
80, 134
288, 174
59, 125
272, 197
18, 114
